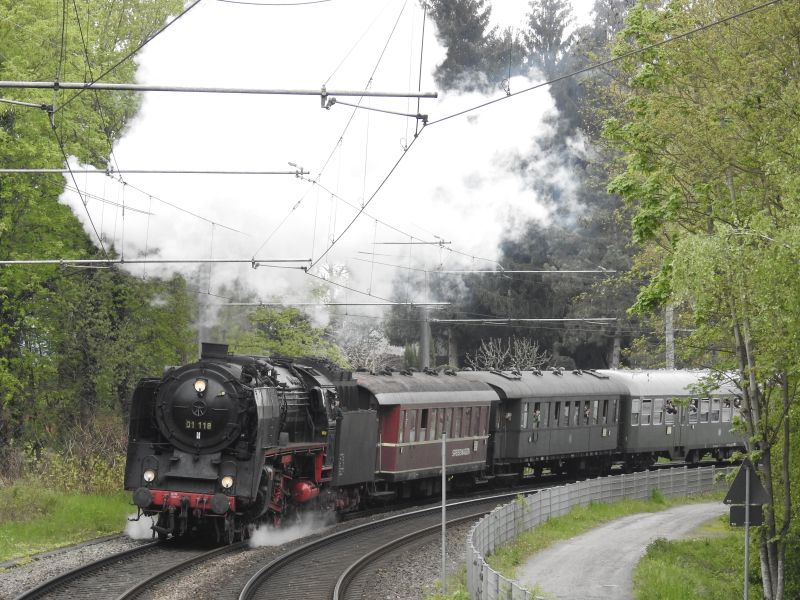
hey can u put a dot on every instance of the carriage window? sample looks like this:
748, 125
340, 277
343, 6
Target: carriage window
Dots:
658, 411
440, 426
726, 410
537, 415
636, 407
646, 407
411, 425
457, 422
466, 431
576, 413
423, 424
565, 417
595, 404
525, 408
448, 421
715, 404
693, 410
484, 420
587, 412
556, 413
615, 410
402, 428
605, 412
432, 425
670, 410
705, 404
476, 421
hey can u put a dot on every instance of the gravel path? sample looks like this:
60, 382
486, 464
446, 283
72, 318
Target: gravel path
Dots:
599, 563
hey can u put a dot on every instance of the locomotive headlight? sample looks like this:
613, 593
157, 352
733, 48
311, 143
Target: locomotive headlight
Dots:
149, 475
200, 385
227, 482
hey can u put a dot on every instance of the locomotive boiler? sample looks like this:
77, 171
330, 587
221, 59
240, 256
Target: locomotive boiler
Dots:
221, 444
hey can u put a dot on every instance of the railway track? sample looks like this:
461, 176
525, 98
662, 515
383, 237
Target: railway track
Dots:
124, 575
357, 581
315, 569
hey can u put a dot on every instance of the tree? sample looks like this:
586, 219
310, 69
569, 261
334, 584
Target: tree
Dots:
546, 38
363, 344
42, 308
709, 141
284, 332
461, 25
520, 354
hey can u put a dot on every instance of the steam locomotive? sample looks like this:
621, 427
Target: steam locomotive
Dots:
223, 444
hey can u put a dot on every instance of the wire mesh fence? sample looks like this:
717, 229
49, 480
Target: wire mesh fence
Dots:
507, 522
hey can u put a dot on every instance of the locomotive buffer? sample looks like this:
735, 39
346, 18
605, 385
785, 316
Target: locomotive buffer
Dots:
746, 496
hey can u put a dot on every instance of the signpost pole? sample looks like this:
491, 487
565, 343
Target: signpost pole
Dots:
444, 510
746, 533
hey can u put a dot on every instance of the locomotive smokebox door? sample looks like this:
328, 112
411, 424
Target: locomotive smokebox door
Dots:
356, 443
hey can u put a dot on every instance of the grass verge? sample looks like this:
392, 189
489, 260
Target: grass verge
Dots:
579, 520
706, 567
35, 519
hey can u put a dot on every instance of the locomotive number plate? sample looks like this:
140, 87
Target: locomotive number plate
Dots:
198, 425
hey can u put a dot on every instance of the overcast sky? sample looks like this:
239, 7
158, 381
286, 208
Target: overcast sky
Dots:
453, 184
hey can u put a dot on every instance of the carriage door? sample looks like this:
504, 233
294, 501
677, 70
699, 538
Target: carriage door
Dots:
497, 429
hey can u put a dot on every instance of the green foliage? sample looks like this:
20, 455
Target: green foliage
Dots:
35, 517
707, 567
657, 497
284, 332
709, 138
73, 342
410, 356
456, 587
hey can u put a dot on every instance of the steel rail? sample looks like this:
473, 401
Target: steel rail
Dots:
253, 585
347, 577
145, 585
46, 586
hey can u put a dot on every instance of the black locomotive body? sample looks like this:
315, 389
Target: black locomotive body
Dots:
227, 442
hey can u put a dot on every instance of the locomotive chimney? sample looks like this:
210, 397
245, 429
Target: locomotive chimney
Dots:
209, 350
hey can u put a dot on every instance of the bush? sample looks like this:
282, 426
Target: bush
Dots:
89, 460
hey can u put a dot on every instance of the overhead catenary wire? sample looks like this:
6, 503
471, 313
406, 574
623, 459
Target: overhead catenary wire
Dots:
322, 304
694, 31
297, 172
300, 3
514, 320
367, 203
144, 87
344, 131
184, 210
104, 201
253, 262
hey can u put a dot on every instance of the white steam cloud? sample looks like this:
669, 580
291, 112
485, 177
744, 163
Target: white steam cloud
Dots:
461, 181
309, 524
139, 530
